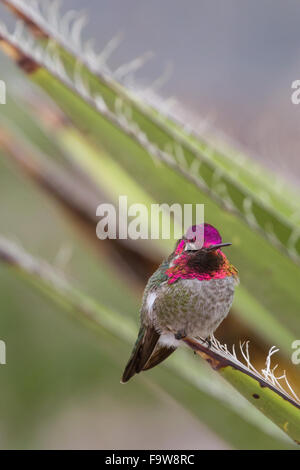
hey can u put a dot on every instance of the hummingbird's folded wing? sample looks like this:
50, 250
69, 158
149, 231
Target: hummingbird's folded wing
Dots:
160, 354
143, 348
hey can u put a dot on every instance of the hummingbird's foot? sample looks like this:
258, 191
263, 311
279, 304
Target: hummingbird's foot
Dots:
206, 341
180, 334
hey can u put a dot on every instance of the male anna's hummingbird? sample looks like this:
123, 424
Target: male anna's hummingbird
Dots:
190, 294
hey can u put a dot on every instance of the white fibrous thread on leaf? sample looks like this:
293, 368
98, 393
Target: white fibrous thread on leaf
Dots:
267, 374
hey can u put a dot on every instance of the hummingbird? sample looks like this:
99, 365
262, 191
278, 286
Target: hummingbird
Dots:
189, 294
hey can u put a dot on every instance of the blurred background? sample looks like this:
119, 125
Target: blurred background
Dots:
227, 68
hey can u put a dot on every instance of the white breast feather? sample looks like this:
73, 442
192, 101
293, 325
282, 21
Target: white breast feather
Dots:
150, 301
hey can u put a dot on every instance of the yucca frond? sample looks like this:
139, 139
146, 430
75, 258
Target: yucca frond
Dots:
160, 139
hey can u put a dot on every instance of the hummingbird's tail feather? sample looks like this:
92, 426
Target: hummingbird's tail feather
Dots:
159, 355
142, 351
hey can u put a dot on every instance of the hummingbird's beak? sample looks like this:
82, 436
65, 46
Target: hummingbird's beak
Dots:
219, 245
